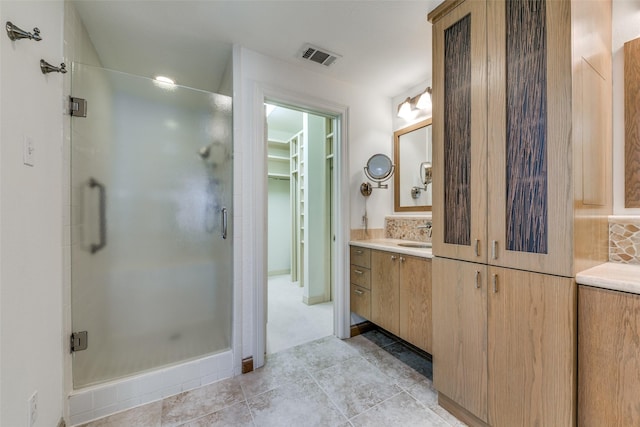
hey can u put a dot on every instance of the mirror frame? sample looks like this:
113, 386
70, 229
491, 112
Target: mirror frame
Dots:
396, 157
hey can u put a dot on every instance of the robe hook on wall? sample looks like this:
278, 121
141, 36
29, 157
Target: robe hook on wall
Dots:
48, 68
16, 33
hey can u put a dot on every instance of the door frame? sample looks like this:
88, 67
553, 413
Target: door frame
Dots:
341, 314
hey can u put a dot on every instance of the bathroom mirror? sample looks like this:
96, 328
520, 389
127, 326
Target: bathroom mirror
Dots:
412, 158
379, 169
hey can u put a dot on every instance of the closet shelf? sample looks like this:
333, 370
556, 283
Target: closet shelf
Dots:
278, 158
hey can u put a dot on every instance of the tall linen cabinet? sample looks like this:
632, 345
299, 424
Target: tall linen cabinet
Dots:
522, 179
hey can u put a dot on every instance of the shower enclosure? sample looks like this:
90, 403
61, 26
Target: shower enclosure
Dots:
151, 251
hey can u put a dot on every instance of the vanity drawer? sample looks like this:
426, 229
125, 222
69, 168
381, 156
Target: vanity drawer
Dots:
361, 301
360, 276
361, 256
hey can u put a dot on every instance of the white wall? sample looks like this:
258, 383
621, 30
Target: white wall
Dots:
279, 226
31, 338
369, 129
626, 26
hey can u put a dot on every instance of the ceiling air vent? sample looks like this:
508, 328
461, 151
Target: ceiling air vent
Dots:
318, 55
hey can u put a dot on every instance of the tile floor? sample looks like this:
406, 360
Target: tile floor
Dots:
369, 380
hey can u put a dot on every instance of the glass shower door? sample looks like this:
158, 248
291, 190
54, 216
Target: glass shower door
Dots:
151, 188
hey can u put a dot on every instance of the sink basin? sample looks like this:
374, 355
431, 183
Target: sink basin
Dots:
415, 244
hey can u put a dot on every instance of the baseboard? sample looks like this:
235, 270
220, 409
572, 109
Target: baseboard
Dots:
314, 300
459, 412
361, 328
278, 273
247, 365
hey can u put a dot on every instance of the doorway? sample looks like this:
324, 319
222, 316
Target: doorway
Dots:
301, 211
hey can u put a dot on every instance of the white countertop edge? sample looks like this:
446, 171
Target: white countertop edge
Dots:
392, 246
612, 275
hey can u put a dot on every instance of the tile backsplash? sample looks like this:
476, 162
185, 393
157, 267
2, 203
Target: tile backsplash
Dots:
406, 228
624, 239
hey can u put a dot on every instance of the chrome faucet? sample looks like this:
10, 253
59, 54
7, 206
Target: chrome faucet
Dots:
427, 226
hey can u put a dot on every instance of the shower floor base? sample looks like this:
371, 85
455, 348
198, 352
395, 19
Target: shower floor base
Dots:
121, 357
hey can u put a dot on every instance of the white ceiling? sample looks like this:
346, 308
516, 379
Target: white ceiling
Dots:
385, 45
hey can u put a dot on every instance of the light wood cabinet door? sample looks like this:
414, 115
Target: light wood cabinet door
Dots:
608, 362
415, 302
385, 292
460, 133
532, 349
460, 333
529, 178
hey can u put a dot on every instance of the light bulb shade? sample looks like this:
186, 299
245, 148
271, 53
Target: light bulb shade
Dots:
404, 109
424, 102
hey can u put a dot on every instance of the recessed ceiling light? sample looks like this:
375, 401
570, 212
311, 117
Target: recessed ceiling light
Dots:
165, 80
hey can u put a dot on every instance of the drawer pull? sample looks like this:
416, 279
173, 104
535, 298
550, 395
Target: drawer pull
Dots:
477, 248
358, 271
359, 252
358, 292
393, 257
402, 259
495, 283
477, 280
494, 249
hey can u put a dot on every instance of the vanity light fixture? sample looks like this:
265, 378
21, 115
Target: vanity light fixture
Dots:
422, 101
404, 109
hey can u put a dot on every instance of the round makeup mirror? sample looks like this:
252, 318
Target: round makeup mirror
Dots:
379, 169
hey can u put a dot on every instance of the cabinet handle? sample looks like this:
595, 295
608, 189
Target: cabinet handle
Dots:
477, 248
495, 283
393, 257
494, 249
358, 272
477, 280
358, 251
402, 259
358, 292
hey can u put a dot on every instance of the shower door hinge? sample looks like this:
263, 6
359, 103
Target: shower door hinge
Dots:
78, 341
77, 107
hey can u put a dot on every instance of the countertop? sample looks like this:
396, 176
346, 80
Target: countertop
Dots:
612, 275
392, 246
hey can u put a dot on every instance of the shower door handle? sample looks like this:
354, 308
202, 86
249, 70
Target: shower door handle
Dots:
103, 219
224, 223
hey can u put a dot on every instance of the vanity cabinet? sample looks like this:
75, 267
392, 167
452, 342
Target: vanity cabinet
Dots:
522, 163
608, 363
393, 291
504, 344
401, 296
